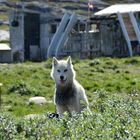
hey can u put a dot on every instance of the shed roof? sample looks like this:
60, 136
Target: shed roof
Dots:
122, 8
4, 47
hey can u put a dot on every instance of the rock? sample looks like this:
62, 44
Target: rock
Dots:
95, 62
38, 100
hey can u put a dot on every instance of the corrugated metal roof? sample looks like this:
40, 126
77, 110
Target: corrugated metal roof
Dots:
122, 8
4, 47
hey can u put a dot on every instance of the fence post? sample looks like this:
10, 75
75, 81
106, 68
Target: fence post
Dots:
0, 95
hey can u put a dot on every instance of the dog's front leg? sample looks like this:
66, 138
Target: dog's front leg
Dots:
61, 109
75, 108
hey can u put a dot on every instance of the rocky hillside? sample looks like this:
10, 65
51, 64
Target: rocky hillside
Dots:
55, 7
78, 6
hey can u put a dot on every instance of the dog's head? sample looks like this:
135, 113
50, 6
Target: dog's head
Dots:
62, 71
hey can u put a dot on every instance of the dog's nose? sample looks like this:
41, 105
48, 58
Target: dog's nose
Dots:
62, 77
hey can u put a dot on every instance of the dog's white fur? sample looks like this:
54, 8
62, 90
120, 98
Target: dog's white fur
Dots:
68, 92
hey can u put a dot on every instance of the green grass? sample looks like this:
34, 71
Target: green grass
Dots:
112, 86
4, 27
3, 16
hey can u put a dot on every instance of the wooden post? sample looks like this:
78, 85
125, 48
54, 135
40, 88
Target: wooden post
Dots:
125, 33
0, 95
64, 35
135, 25
58, 35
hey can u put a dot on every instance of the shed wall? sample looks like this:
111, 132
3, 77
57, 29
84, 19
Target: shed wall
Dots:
17, 33
5, 57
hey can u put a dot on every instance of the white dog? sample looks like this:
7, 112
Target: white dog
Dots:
68, 92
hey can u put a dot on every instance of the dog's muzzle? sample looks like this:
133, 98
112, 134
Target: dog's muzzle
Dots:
62, 80
61, 77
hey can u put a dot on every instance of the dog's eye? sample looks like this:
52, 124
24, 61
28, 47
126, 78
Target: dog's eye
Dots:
65, 70
58, 70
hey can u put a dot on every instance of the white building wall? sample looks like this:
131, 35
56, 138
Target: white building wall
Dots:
17, 33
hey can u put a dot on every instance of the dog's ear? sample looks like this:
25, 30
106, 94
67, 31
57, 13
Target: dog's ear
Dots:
69, 60
55, 61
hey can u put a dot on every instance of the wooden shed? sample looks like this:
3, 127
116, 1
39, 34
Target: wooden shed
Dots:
120, 28
31, 30
38, 32
41, 32
34, 34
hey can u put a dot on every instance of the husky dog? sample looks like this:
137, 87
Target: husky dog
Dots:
68, 92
